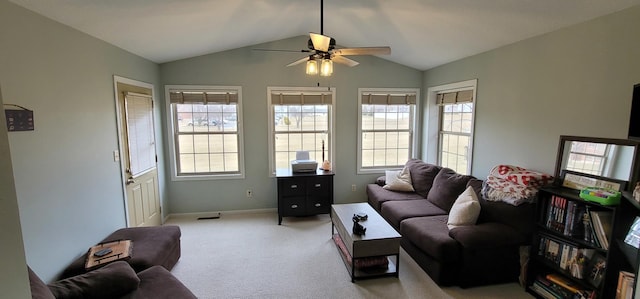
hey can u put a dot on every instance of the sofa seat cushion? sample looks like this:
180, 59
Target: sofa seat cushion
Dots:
377, 195
396, 211
158, 283
431, 235
111, 281
152, 245
422, 175
487, 236
447, 185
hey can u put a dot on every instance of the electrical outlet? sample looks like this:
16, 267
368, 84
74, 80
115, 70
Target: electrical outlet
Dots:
353, 187
249, 193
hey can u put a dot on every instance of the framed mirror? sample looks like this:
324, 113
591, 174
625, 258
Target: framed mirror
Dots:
593, 157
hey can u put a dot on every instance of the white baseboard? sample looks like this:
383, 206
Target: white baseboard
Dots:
216, 214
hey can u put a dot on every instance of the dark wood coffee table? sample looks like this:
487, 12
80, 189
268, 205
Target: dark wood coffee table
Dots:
379, 240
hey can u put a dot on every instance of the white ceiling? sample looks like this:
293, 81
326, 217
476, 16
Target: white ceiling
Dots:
421, 33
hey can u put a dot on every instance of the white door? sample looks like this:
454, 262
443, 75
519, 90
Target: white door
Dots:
138, 152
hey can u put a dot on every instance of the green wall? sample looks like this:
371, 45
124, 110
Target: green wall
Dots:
574, 81
255, 71
68, 186
13, 273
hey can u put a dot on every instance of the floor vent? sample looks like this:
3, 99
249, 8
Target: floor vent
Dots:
217, 216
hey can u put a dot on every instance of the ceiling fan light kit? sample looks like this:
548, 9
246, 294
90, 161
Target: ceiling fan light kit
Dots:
312, 66
326, 67
322, 48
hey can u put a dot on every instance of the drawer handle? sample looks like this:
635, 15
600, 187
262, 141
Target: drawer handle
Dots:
294, 186
294, 206
318, 185
318, 205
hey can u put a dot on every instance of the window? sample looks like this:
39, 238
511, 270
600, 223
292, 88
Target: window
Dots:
386, 125
455, 132
206, 134
588, 157
301, 119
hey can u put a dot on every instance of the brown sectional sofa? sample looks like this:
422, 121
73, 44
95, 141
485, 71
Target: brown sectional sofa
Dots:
485, 253
145, 275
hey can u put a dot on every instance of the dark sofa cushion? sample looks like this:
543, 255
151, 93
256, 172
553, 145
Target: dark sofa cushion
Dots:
152, 245
487, 236
39, 290
447, 186
520, 217
396, 211
111, 281
377, 195
158, 283
422, 175
476, 184
431, 235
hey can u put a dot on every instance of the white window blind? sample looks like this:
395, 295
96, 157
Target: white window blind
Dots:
139, 117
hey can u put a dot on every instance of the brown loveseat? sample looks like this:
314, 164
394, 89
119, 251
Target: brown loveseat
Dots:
155, 251
485, 253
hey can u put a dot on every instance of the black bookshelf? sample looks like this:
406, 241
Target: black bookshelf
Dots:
619, 256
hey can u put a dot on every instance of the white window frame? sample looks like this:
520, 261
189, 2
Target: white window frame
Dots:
606, 158
330, 155
171, 122
414, 129
432, 97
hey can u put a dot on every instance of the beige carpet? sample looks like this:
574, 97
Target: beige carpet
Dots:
251, 256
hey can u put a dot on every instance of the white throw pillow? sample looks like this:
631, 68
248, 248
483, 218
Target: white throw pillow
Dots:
465, 209
398, 180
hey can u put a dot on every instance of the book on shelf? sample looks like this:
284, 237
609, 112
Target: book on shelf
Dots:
568, 257
589, 232
602, 226
566, 288
633, 235
565, 216
550, 290
626, 281
596, 269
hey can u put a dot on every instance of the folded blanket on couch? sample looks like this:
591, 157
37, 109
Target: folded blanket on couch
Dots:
514, 185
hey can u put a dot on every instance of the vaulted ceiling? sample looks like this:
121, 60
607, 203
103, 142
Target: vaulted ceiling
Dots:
421, 33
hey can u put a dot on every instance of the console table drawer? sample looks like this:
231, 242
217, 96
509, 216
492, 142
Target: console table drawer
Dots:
294, 206
292, 187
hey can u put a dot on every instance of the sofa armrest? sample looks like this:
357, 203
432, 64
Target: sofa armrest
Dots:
111, 281
486, 235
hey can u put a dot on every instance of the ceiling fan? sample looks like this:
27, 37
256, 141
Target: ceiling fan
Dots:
322, 49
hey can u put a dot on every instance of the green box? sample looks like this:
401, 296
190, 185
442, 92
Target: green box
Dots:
602, 196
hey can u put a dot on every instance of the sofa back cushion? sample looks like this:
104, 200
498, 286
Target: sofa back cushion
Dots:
422, 175
521, 217
447, 186
111, 281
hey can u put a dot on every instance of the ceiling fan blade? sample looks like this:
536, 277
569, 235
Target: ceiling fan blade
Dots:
363, 51
320, 42
281, 50
299, 61
345, 61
